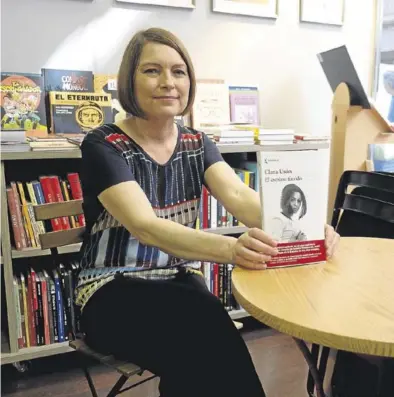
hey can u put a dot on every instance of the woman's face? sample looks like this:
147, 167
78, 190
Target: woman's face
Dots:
162, 82
294, 202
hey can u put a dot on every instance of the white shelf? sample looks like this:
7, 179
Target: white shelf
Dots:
31, 353
30, 252
236, 314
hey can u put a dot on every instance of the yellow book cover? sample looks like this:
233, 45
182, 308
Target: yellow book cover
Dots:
108, 84
27, 319
79, 112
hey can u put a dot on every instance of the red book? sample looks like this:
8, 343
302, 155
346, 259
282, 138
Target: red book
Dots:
57, 191
44, 286
205, 208
49, 196
76, 192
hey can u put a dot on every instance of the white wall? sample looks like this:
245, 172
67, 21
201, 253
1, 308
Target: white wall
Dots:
279, 56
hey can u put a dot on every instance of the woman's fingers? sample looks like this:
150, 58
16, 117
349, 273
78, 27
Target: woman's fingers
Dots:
250, 255
259, 246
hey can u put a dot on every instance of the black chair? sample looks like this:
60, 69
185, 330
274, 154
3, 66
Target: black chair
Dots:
366, 211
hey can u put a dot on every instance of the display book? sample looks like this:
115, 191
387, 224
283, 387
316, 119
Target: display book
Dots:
294, 192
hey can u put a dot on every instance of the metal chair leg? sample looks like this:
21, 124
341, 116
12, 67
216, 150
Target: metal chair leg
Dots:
118, 385
90, 382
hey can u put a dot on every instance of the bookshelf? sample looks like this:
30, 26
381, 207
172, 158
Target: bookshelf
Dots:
27, 165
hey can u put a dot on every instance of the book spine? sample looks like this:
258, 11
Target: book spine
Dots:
25, 309
50, 198
52, 291
76, 192
14, 219
57, 191
31, 311
44, 287
19, 215
26, 216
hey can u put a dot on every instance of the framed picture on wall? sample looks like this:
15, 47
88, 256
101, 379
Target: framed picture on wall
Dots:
167, 3
329, 12
255, 8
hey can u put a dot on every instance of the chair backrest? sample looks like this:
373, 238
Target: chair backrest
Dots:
368, 210
59, 238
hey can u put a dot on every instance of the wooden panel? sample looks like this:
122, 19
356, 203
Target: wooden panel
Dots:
7, 266
63, 237
56, 210
39, 155
30, 353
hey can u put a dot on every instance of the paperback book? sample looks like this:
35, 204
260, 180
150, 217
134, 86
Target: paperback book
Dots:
293, 193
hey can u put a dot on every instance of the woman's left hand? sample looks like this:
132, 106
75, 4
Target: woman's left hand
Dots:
331, 240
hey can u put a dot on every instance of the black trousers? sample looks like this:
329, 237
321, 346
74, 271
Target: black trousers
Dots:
177, 330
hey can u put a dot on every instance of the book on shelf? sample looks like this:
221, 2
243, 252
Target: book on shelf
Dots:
244, 104
43, 299
294, 193
217, 278
212, 213
22, 102
22, 196
76, 113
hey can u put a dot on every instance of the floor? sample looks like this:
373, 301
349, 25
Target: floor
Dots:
280, 365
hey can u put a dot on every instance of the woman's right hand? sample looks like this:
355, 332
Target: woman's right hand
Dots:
253, 249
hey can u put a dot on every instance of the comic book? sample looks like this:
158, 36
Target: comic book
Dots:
76, 112
294, 193
108, 84
22, 102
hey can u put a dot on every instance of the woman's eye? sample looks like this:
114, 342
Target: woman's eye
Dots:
180, 72
152, 71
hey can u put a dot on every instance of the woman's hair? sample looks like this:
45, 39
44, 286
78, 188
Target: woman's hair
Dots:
287, 191
130, 61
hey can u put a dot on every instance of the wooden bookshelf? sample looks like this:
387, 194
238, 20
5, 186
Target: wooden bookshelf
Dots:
353, 128
10, 353
30, 353
31, 252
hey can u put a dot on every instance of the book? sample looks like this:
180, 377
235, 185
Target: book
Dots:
108, 84
75, 113
22, 102
244, 104
294, 193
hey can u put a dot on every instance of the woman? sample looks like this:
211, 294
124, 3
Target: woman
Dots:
286, 227
141, 295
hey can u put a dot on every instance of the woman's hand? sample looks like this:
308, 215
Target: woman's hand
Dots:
331, 240
253, 248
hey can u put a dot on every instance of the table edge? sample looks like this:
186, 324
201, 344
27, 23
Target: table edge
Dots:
334, 341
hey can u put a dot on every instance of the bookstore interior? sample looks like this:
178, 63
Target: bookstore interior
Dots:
46, 114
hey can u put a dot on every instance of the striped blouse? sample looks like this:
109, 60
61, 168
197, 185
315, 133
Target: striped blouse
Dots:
109, 157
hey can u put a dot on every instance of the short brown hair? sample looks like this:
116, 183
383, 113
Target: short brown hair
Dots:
131, 58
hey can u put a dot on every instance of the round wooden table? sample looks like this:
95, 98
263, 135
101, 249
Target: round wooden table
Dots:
346, 303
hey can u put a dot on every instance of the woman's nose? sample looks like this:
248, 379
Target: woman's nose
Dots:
167, 79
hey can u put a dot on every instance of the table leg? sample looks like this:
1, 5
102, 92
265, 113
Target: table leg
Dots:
317, 368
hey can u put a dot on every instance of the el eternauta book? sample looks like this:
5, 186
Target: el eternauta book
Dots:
75, 112
22, 102
293, 194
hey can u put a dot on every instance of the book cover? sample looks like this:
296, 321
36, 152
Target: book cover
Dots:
22, 102
75, 113
108, 84
244, 104
293, 194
